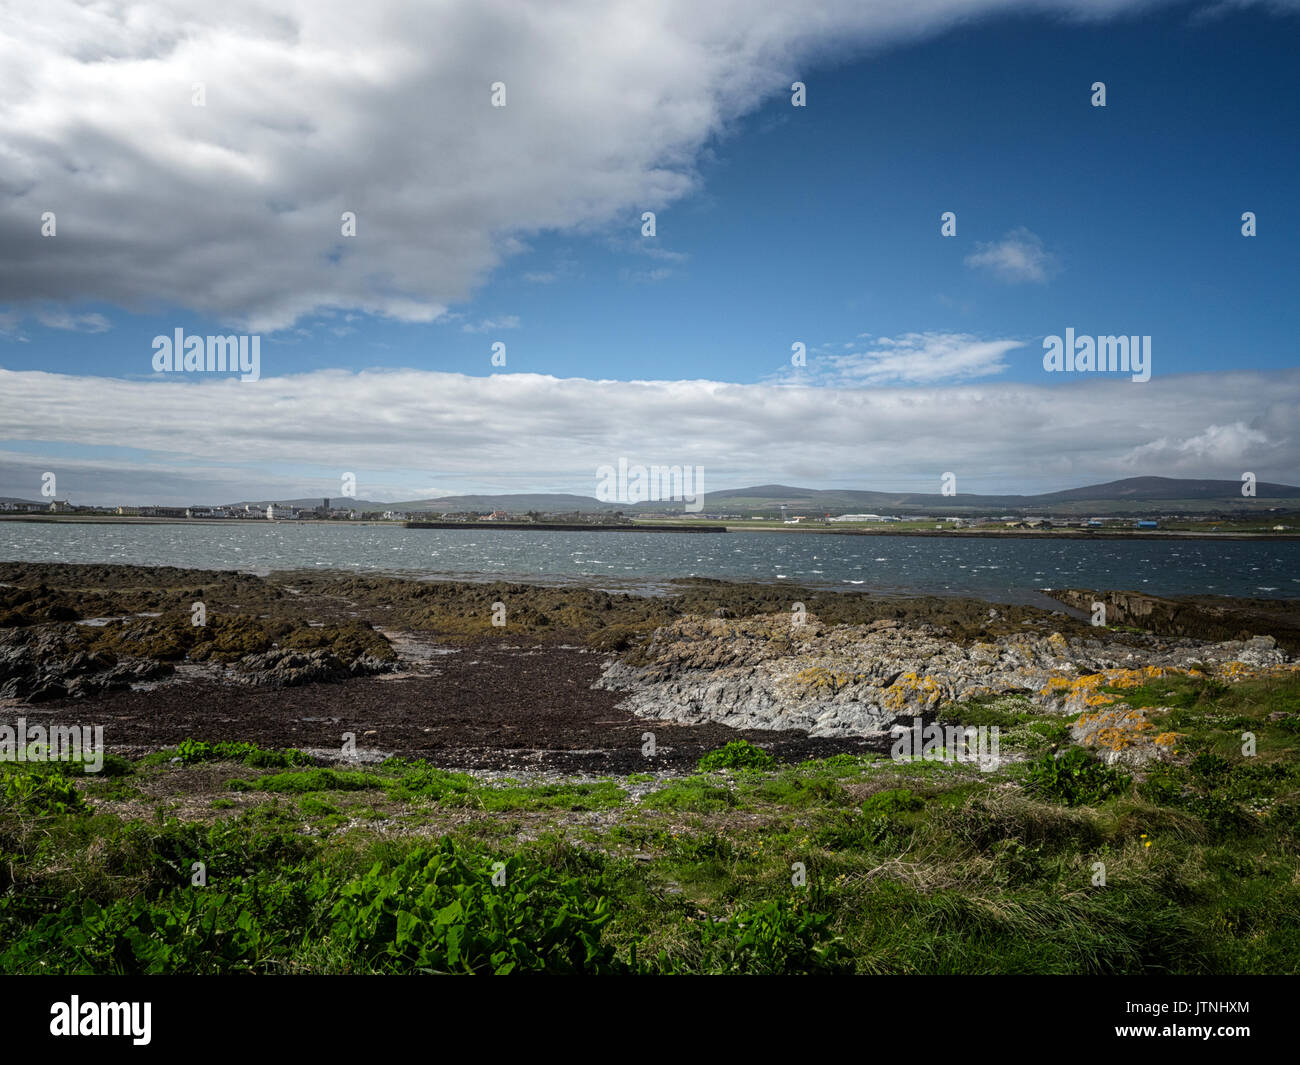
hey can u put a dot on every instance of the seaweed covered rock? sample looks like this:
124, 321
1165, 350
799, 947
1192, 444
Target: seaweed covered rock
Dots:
285, 667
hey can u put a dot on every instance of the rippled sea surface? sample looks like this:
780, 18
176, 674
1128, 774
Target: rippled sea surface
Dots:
1009, 570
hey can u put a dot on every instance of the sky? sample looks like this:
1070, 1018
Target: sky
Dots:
797, 315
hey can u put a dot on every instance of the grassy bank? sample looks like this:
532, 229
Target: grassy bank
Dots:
846, 864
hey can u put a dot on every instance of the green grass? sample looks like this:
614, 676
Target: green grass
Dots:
794, 790
908, 868
693, 793
1075, 778
303, 781
1021, 725
738, 754
598, 796
893, 801
191, 752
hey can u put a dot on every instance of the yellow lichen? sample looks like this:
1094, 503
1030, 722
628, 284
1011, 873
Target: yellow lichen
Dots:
924, 688
821, 679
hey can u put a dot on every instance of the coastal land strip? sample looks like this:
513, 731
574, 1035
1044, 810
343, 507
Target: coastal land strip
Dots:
501, 676
352, 762
671, 527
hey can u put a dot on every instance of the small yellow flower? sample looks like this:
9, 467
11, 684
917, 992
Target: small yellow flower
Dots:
1147, 843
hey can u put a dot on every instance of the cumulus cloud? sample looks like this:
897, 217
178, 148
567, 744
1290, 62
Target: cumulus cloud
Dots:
914, 358
314, 108
402, 429
1018, 257
1217, 443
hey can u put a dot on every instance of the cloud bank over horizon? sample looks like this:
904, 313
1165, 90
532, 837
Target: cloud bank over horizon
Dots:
411, 434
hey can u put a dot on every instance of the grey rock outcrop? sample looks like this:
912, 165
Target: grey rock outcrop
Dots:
767, 672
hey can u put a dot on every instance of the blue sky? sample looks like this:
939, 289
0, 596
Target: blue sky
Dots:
822, 223
775, 224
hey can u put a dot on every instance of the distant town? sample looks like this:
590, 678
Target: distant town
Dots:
324, 511
778, 517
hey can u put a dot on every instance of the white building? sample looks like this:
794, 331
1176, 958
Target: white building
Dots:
276, 512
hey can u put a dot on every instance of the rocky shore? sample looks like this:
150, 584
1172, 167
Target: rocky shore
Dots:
859, 680
574, 675
1201, 617
58, 660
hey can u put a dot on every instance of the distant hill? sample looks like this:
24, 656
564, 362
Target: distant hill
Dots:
521, 503
1126, 495
1171, 488
1132, 495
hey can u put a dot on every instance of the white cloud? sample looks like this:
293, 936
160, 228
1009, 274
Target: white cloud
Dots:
646, 277
1017, 257
317, 107
1222, 8
518, 431
914, 358
490, 325
649, 248
74, 323
1217, 443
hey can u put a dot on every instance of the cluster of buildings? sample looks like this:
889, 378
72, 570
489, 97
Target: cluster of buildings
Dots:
1008, 521
571, 518
246, 512
1080, 523
55, 506
285, 512
882, 519
273, 511
474, 515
